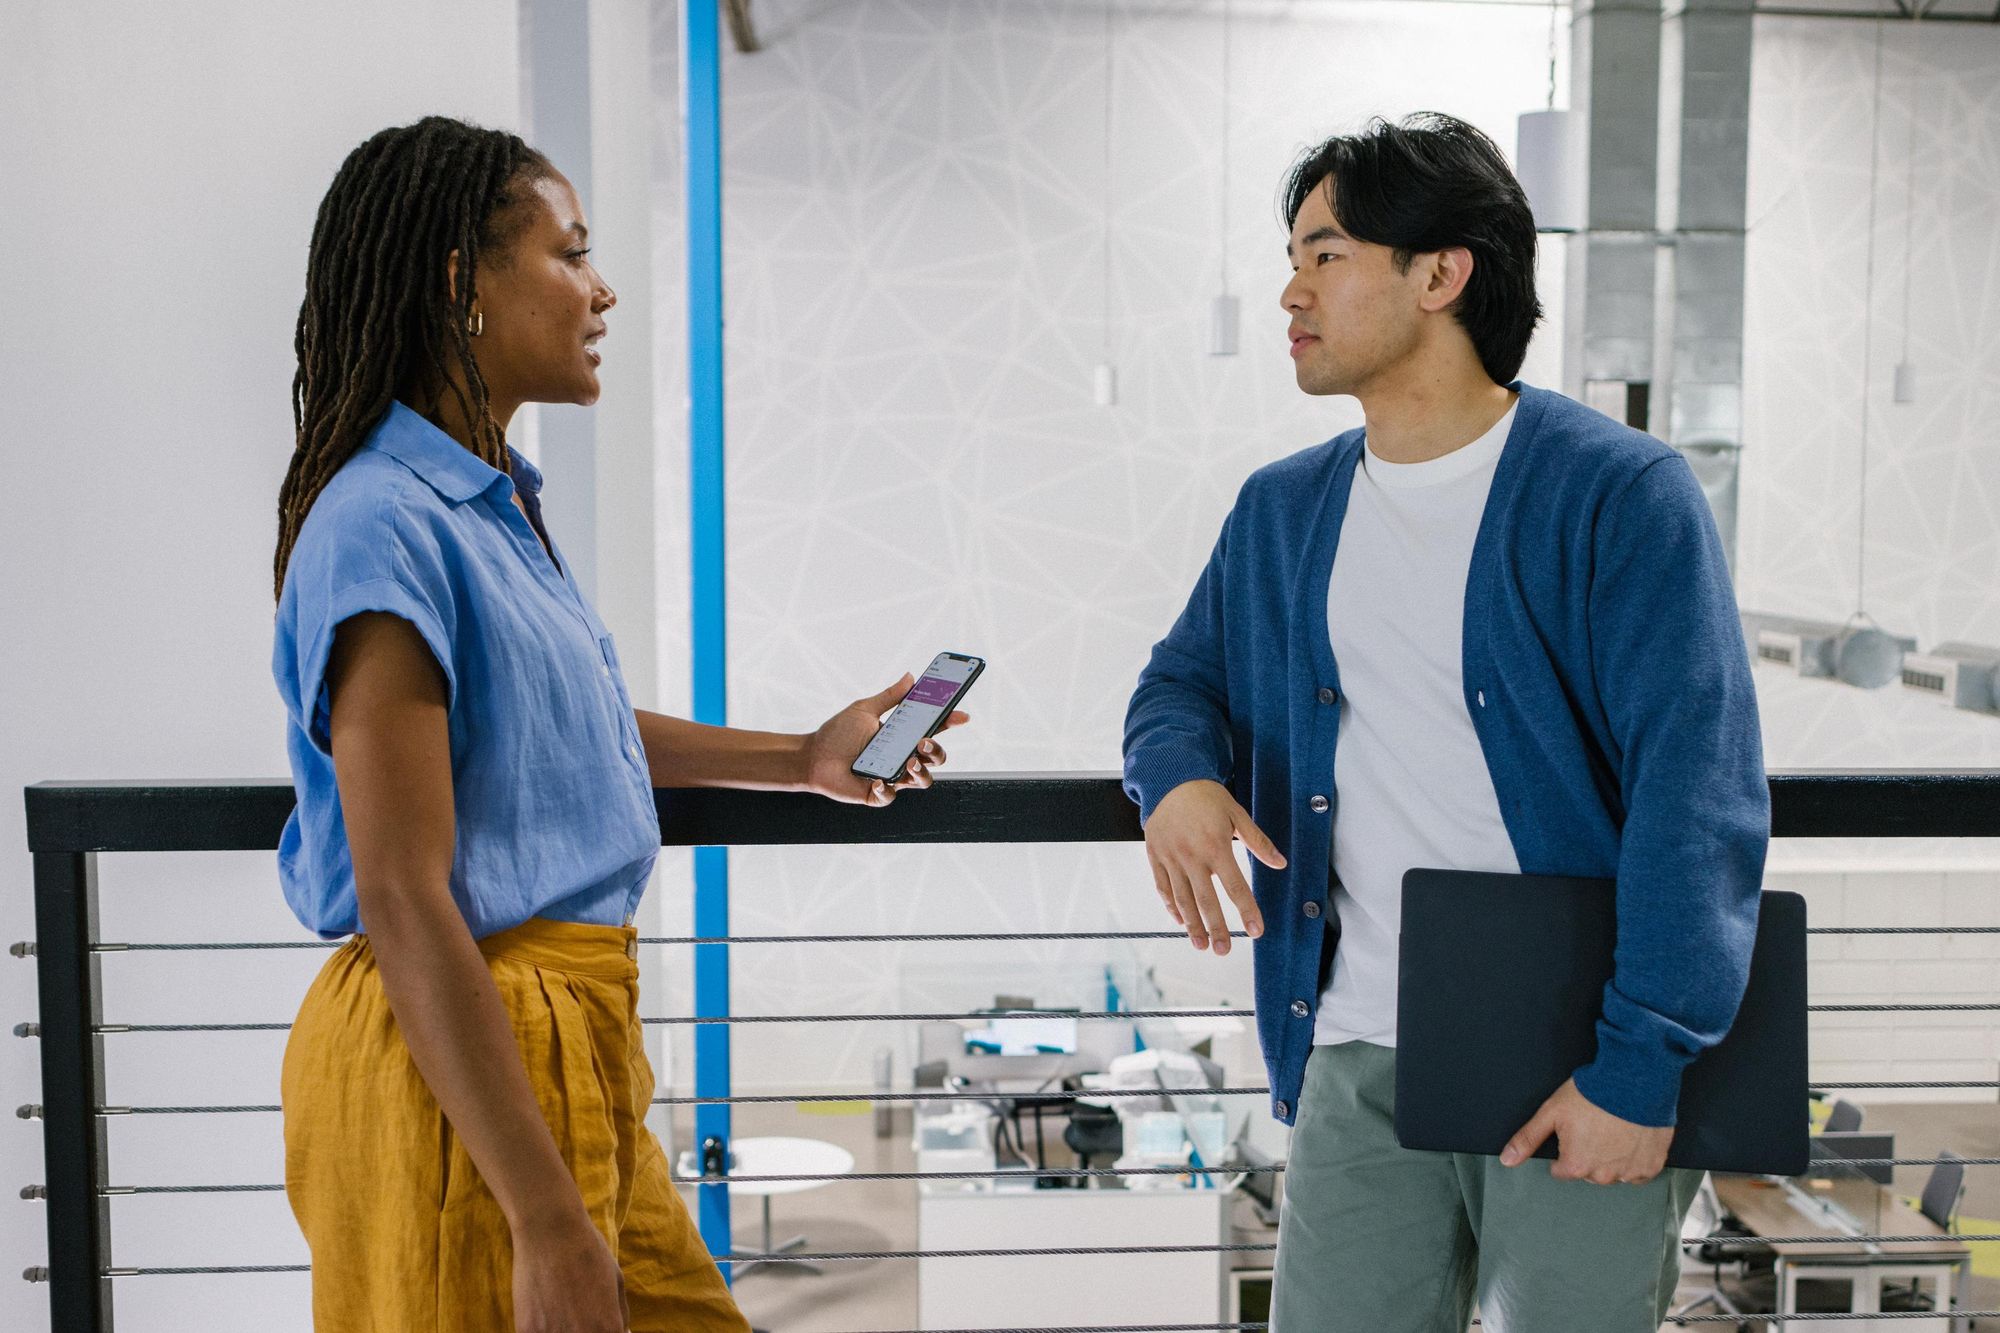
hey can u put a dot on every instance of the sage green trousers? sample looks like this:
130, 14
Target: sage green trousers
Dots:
1376, 1238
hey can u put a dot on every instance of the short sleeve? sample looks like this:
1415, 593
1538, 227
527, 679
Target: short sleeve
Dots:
374, 595
363, 557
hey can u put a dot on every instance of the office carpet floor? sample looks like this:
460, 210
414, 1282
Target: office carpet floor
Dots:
859, 1297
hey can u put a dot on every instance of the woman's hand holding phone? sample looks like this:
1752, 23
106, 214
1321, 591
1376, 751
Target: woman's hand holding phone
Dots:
832, 750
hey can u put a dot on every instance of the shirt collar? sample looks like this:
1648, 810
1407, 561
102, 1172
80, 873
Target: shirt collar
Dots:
447, 466
527, 476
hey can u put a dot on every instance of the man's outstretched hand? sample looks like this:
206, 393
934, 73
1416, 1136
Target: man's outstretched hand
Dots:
1189, 844
1594, 1144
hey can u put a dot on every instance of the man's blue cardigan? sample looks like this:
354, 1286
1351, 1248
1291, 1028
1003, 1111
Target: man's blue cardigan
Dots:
1605, 673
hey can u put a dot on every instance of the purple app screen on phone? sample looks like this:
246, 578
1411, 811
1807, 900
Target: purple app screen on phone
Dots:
915, 715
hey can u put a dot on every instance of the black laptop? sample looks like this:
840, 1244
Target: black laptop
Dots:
1502, 983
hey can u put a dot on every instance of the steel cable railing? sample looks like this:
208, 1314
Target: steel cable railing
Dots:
1120, 1015
71, 824
26, 949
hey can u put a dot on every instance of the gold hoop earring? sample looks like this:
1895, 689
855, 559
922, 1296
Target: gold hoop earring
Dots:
477, 324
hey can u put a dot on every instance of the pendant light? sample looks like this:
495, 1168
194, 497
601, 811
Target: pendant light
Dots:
1225, 313
1547, 155
1104, 380
1859, 651
1905, 388
1866, 655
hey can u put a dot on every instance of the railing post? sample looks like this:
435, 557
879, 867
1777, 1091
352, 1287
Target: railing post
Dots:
711, 1040
79, 1216
701, 135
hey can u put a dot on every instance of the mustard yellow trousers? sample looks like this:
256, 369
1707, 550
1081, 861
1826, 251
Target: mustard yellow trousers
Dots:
405, 1236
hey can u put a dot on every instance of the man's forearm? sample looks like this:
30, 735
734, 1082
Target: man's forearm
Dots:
680, 753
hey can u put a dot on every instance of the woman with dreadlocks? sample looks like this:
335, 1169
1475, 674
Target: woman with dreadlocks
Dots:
465, 1087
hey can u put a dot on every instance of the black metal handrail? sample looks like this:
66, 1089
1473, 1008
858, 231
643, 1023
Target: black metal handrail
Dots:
71, 823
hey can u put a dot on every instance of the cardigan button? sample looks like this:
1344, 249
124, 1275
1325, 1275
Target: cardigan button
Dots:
1312, 910
1282, 1110
1318, 804
1300, 1009
1327, 694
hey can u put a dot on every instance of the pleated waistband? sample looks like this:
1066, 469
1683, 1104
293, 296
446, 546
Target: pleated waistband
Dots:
560, 946
568, 946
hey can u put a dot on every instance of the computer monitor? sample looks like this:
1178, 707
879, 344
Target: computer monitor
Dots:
1024, 1034
1851, 1144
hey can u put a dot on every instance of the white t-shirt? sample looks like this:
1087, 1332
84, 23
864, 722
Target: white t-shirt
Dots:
1410, 780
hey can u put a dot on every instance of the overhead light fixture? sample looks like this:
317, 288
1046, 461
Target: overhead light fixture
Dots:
1548, 158
1545, 162
1869, 657
1904, 386
1104, 380
1906, 382
1225, 318
1225, 313
1860, 654
1963, 675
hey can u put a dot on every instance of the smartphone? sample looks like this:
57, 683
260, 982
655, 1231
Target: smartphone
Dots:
920, 713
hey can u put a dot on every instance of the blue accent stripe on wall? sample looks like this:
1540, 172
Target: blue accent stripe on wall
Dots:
701, 131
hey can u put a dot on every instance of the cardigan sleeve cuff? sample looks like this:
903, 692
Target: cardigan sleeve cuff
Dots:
1156, 770
1633, 1079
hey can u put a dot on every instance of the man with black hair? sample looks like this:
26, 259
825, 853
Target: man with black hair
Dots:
1492, 630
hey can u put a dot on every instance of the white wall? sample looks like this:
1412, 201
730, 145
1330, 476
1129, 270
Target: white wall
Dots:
1813, 321
161, 167
913, 204
913, 199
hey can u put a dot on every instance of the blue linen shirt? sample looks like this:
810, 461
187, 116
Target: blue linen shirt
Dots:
1605, 673
553, 798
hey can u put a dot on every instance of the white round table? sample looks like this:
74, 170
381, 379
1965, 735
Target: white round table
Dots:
781, 1156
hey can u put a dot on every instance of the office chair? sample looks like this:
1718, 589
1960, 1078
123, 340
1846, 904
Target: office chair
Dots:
1844, 1118
1939, 1203
1944, 1189
1705, 1218
1094, 1131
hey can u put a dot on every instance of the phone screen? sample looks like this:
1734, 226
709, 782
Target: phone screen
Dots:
911, 720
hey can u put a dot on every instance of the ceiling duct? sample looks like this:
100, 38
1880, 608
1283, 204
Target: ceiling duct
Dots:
1858, 653
1802, 646
1963, 675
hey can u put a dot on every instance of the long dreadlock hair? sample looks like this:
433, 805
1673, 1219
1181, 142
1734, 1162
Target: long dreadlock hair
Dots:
380, 314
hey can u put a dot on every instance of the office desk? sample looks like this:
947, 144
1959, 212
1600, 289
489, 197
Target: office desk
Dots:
1764, 1208
1069, 1290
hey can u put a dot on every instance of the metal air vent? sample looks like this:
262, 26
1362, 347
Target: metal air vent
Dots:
1964, 675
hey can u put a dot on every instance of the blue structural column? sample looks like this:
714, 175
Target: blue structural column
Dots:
701, 134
